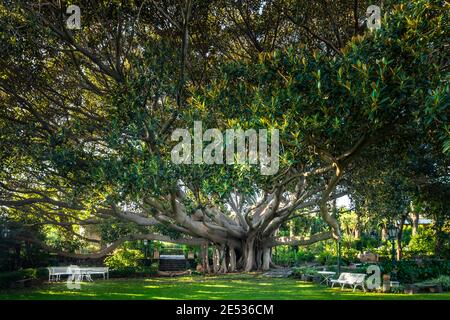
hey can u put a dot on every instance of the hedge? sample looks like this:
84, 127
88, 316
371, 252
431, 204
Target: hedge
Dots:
135, 272
8, 279
408, 271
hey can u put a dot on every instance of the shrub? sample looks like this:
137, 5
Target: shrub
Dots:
299, 271
444, 281
284, 255
7, 279
384, 251
421, 244
328, 253
134, 272
304, 255
287, 256
399, 289
411, 271
124, 258
349, 254
327, 258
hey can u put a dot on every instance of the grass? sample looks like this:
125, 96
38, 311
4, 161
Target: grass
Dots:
234, 287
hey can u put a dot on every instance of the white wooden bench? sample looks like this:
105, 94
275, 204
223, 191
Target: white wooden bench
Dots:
97, 270
352, 279
55, 273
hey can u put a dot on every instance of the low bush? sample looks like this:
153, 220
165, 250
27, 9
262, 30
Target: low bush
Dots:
444, 281
304, 255
327, 253
326, 258
299, 271
421, 244
411, 271
124, 258
8, 279
399, 289
134, 272
284, 256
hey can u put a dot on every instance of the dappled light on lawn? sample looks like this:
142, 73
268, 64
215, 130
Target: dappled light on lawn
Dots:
236, 287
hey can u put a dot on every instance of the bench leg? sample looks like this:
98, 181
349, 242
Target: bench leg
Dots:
361, 285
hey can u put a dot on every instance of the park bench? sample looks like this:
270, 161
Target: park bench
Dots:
55, 273
351, 279
104, 271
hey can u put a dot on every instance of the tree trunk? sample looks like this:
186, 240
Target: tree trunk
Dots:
223, 259
400, 237
415, 221
357, 232
439, 238
249, 255
216, 262
232, 260
17, 259
204, 258
259, 258
266, 259
384, 233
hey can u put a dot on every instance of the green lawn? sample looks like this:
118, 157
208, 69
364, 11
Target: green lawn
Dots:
198, 287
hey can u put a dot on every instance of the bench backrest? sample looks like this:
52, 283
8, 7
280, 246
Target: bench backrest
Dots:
56, 270
75, 269
343, 276
359, 277
352, 277
98, 268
